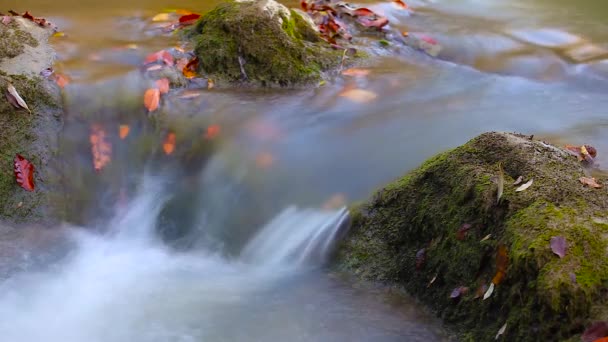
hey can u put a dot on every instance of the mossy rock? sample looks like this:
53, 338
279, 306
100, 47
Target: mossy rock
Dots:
261, 42
543, 297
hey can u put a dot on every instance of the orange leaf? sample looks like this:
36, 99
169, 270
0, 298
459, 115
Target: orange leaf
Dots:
160, 56
190, 69
152, 99
101, 149
502, 262
123, 131
163, 85
24, 172
359, 95
603, 339
400, 3
363, 12
212, 132
61, 80
169, 143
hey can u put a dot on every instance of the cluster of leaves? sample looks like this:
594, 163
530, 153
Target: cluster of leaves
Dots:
42, 22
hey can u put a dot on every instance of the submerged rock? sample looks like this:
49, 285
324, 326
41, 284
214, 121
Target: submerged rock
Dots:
430, 232
262, 42
24, 53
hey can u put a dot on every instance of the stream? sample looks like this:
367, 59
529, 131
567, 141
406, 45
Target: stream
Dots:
235, 247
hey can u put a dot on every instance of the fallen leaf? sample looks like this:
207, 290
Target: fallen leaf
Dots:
590, 182
489, 292
459, 291
189, 94
163, 85
501, 331
169, 143
160, 56
123, 131
357, 72
525, 186
480, 291
502, 262
461, 234
15, 99
519, 180
420, 258
190, 69
378, 22
432, 281
152, 99
487, 237
161, 17
405, 34
500, 183
61, 80
24, 172
101, 149
359, 95
559, 245
188, 19
210, 84
212, 132
603, 339
595, 331
154, 67
400, 4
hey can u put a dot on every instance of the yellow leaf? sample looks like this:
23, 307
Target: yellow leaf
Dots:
161, 17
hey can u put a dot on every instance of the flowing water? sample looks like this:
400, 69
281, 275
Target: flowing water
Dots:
232, 247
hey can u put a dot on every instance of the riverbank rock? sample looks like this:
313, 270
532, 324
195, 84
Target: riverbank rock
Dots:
263, 43
442, 233
24, 53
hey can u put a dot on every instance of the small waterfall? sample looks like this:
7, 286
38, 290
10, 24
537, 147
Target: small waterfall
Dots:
297, 236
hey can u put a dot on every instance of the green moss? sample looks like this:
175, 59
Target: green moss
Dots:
425, 208
13, 40
240, 42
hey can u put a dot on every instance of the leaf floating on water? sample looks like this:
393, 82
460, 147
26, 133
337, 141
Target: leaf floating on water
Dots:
489, 292
169, 143
487, 237
359, 95
123, 131
400, 4
15, 99
212, 132
502, 262
163, 85
596, 331
356, 72
500, 183
188, 19
559, 245
24, 172
61, 80
189, 94
519, 180
152, 99
160, 56
101, 149
420, 258
501, 331
525, 186
590, 182
190, 69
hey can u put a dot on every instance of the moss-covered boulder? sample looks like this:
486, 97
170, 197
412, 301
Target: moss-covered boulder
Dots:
261, 42
430, 232
24, 53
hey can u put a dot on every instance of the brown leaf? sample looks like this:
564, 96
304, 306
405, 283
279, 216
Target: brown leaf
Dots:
169, 143
163, 85
212, 132
595, 331
24, 172
378, 22
101, 148
190, 69
590, 182
152, 99
480, 291
420, 258
559, 245
502, 262
15, 99
61, 80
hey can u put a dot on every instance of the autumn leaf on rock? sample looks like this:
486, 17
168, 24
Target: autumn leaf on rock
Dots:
152, 99
160, 56
489, 292
190, 69
525, 186
558, 246
24, 172
502, 262
590, 182
188, 19
61, 80
123, 131
169, 143
163, 85
596, 331
15, 99
101, 148
501, 331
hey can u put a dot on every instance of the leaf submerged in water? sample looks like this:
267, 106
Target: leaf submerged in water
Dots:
152, 99
24, 172
359, 95
101, 149
596, 331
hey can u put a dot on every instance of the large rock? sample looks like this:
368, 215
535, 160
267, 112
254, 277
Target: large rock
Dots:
24, 53
261, 42
411, 233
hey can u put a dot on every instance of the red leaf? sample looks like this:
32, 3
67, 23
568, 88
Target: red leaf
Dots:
101, 149
152, 99
188, 18
420, 258
169, 143
212, 132
24, 173
190, 69
163, 85
596, 331
304, 5
461, 234
160, 56
378, 22
428, 39
363, 12
559, 246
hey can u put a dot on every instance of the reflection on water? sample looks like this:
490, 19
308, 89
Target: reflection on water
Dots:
507, 65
